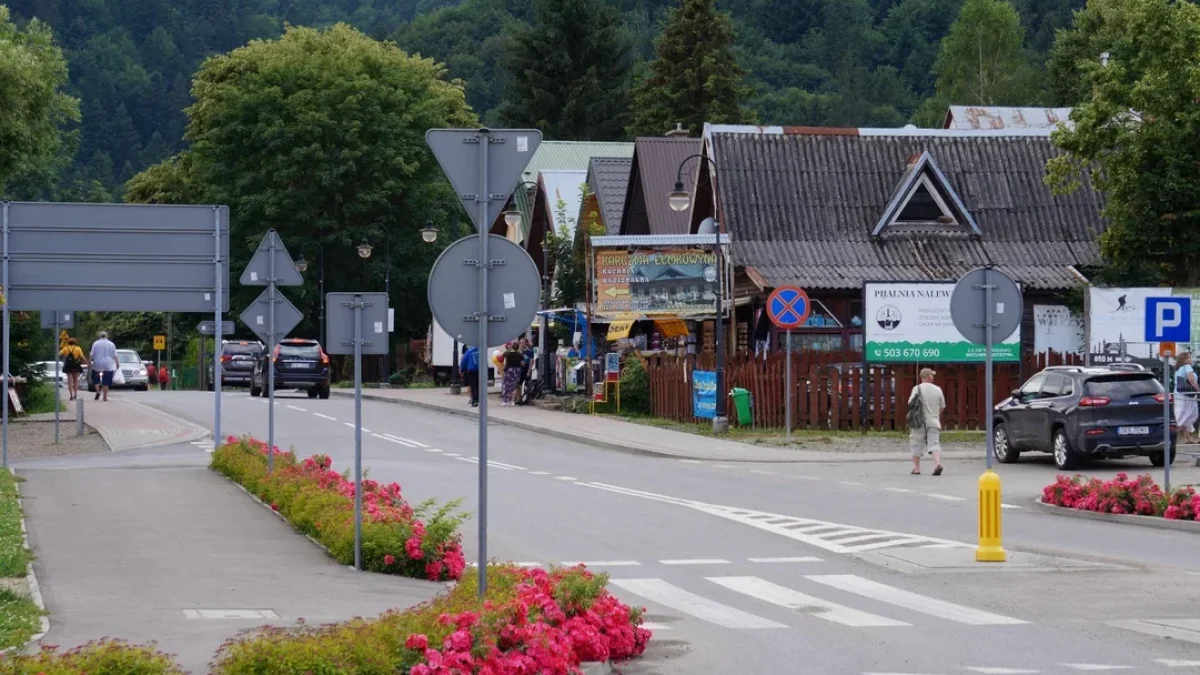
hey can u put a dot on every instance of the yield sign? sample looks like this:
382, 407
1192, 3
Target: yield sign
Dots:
788, 307
459, 152
261, 267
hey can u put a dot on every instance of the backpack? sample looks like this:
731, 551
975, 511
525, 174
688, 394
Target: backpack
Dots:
70, 361
916, 411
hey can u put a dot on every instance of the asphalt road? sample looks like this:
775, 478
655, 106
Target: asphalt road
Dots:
784, 568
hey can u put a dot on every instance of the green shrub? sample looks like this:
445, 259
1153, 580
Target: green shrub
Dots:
104, 657
14, 557
635, 387
20, 619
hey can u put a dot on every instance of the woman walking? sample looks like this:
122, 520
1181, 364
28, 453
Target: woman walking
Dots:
73, 361
1186, 408
513, 360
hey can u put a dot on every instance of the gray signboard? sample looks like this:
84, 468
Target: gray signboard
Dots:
986, 305
261, 268
340, 313
210, 328
514, 291
64, 321
509, 154
257, 317
115, 257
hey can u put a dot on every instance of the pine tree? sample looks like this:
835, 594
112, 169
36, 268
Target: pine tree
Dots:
695, 77
570, 72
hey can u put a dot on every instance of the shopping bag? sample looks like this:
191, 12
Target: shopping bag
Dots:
118, 377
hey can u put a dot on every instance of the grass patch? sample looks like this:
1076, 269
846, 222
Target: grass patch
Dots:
41, 398
778, 437
20, 619
14, 557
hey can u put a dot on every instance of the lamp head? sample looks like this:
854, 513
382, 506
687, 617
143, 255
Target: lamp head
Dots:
429, 233
512, 217
301, 265
364, 250
678, 198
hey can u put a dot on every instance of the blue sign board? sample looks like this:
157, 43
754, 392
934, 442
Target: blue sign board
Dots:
1169, 319
704, 394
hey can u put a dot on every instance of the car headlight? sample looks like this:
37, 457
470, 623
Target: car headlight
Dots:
142, 371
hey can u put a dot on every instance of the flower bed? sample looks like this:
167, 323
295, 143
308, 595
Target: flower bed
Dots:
103, 657
533, 623
421, 542
1139, 496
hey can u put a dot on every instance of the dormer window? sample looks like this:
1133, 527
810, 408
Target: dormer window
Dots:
925, 200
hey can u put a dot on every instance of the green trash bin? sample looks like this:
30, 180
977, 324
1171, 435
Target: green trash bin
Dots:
741, 403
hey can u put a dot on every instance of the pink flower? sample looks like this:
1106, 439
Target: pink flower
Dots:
417, 641
460, 640
389, 560
413, 548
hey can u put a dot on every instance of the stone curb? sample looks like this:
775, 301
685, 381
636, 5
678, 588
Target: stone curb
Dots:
645, 452
596, 667
1139, 521
35, 591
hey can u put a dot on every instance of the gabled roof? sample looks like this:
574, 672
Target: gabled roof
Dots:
655, 164
970, 117
925, 198
608, 178
571, 155
801, 207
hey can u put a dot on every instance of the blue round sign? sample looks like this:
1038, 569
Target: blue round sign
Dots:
788, 307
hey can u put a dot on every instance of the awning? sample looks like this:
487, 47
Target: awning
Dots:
619, 330
671, 328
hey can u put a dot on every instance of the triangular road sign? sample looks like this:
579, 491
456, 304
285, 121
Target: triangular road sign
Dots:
509, 151
258, 272
257, 316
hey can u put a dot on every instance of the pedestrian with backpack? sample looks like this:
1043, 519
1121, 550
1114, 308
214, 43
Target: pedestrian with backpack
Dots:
73, 362
925, 406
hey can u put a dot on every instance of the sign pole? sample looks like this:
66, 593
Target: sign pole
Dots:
217, 311
4, 289
987, 373
271, 356
482, 316
358, 308
56, 376
788, 386
1166, 426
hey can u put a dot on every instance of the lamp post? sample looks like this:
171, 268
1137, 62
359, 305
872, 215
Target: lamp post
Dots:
513, 218
680, 200
364, 252
302, 266
429, 235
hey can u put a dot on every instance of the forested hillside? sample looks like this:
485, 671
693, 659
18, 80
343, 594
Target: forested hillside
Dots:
839, 62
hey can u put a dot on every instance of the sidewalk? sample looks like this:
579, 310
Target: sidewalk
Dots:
126, 424
629, 437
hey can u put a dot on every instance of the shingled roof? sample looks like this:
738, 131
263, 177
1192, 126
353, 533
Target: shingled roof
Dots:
608, 178
656, 162
802, 205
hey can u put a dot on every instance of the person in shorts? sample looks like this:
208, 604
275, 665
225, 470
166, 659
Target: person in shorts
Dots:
73, 362
104, 364
927, 437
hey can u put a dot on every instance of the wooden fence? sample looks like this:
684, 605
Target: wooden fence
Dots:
829, 389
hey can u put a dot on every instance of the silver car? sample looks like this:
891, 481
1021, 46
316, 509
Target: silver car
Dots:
133, 369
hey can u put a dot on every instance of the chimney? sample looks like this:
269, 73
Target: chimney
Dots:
677, 132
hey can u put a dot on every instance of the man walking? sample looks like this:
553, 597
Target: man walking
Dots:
925, 406
468, 365
104, 364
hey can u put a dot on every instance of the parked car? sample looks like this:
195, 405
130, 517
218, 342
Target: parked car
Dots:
46, 370
298, 364
132, 370
237, 362
1075, 412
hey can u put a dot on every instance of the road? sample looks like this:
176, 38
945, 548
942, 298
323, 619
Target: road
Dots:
785, 568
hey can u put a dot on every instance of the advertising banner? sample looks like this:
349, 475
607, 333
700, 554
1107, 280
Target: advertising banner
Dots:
909, 322
1057, 329
677, 282
1117, 315
704, 394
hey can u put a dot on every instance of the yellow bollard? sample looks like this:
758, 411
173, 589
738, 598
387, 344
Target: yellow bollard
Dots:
989, 549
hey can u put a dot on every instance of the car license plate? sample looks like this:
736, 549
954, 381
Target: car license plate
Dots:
1133, 431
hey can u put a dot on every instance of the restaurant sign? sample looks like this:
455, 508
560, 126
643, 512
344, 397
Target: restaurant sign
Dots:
656, 282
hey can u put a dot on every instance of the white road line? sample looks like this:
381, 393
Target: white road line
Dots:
604, 563
528, 564
507, 466
946, 498
986, 670
794, 559
667, 595
327, 417
1009, 506
650, 626
539, 473
918, 603
432, 450
498, 465
453, 454
848, 482
895, 489
365, 430
939, 546
296, 407
380, 436
696, 561
723, 466
1093, 667
469, 460
1176, 663
806, 604
566, 478
690, 461
415, 444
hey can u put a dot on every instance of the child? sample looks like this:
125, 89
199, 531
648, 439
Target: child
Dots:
164, 377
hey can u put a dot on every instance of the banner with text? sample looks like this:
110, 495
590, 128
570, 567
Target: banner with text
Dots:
909, 322
656, 282
1057, 329
1117, 315
704, 394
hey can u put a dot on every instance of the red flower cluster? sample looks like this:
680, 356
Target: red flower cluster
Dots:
1122, 495
546, 629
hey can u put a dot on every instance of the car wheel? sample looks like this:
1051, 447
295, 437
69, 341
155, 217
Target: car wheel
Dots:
1005, 454
1064, 457
143, 387
324, 392
1157, 458
255, 391
312, 393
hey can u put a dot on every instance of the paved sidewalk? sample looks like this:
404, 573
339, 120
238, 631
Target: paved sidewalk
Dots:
614, 434
126, 424
152, 545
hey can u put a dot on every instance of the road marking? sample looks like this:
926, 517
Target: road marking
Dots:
415, 444
806, 604
696, 561
999, 671
939, 546
566, 478
327, 417
1009, 506
365, 430
690, 461
432, 450
667, 595
379, 436
539, 473
230, 614
947, 498
469, 460
723, 466
502, 465
1176, 663
895, 489
1095, 666
604, 563
918, 603
296, 407
849, 482
453, 454
528, 564
655, 626
794, 559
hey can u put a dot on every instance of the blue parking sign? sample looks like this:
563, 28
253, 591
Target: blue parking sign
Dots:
1169, 319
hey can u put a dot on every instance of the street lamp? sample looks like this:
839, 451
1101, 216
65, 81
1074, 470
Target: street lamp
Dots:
429, 233
513, 218
302, 267
680, 200
364, 251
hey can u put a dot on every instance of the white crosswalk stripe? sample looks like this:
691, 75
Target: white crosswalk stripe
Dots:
673, 597
916, 602
795, 600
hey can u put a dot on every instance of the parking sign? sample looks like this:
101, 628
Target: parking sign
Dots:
1169, 319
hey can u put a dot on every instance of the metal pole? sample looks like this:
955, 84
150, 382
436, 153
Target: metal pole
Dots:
321, 301
544, 370
170, 342
387, 290
987, 375
484, 318
7, 334
1166, 427
720, 418
271, 342
217, 311
57, 400
358, 307
788, 386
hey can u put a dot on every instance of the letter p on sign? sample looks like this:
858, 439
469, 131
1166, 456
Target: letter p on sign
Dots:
1169, 319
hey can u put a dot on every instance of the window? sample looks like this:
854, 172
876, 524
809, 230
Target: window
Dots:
128, 357
242, 349
1055, 384
1032, 387
924, 205
1123, 387
310, 351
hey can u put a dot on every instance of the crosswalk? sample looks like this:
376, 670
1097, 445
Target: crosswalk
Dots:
690, 598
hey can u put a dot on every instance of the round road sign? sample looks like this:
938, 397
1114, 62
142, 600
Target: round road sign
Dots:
970, 312
788, 307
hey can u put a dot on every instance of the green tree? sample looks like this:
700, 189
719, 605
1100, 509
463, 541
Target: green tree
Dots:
171, 181
1079, 48
569, 72
1137, 138
33, 72
983, 61
321, 135
695, 77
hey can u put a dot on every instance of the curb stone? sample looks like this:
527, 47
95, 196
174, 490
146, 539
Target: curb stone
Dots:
35, 591
1140, 521
596, 667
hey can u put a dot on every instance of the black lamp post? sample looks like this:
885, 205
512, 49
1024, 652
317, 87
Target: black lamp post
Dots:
429, 235
513, 218
302, 266
364, 252
680, 200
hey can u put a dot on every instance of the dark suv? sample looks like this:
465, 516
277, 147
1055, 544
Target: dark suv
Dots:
1075, 412
237, 361
299, 364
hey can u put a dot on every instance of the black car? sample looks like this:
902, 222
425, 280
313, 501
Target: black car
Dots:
299, 364
237, 361
1076, 412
